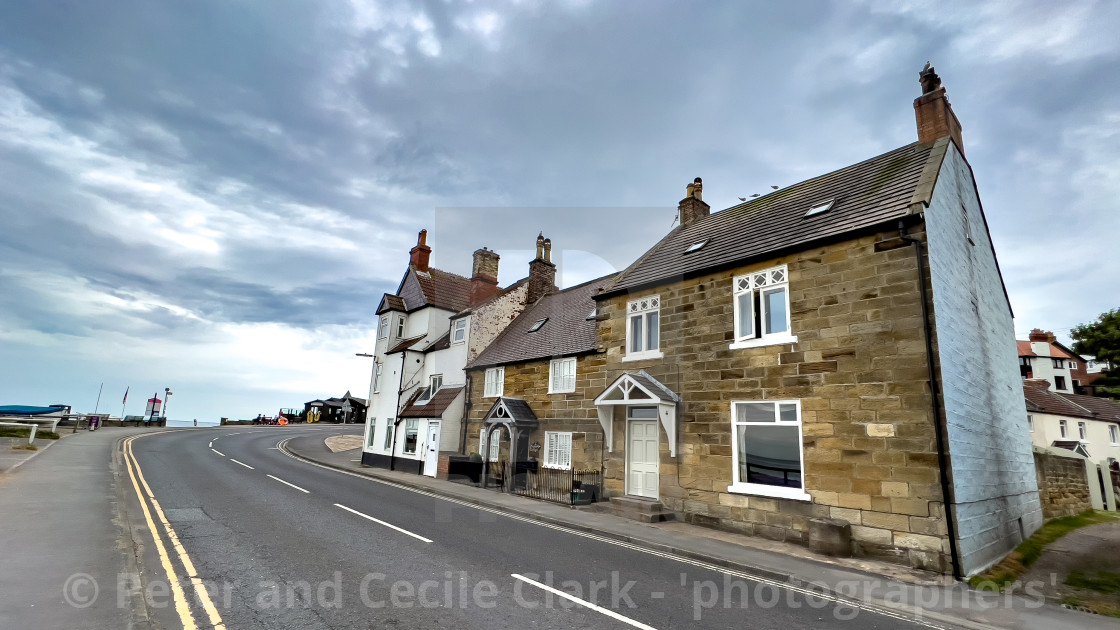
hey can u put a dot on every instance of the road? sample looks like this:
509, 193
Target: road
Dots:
283, 544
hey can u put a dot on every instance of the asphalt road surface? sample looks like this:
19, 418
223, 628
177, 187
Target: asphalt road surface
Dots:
278, 543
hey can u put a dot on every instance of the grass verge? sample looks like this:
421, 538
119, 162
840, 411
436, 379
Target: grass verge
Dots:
1018, 561
17, 432
25, 447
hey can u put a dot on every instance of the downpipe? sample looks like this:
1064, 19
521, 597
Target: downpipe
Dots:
935, 391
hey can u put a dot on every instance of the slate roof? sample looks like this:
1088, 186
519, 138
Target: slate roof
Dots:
567, 332
435, 407
869, 193
519, 410
653, 385
1042, 400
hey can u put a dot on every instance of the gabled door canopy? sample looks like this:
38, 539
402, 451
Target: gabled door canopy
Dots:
638, 389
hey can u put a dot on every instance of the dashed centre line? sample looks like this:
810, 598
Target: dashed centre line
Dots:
381, 522
241, 463
599, 609
288, 484
219, 452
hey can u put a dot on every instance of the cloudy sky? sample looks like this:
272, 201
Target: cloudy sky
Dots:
212, 195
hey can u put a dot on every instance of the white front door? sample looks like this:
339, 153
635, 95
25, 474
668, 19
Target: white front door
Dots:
431, 453
642, 454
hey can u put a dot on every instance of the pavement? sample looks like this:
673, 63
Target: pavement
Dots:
914, 594
1079, 550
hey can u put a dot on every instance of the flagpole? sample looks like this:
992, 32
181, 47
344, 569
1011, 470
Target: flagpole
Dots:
98, 403
123, 403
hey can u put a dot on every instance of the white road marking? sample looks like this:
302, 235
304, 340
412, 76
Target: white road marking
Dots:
219, 452
381, 522
211, 444
599, 609
289, 484
242, 463
904, 612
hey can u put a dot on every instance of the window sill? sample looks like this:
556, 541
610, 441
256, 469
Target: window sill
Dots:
763, 341
563, 391
770, 491
642, 356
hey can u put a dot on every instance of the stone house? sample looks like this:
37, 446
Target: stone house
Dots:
426, 332
532, 390
841, 348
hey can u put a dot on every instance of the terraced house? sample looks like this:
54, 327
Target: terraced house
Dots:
839, 349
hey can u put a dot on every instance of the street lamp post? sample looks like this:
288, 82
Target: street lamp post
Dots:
166, 399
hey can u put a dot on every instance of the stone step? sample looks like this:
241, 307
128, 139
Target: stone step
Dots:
641, 510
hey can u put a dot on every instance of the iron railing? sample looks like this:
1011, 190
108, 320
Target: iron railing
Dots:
529, 479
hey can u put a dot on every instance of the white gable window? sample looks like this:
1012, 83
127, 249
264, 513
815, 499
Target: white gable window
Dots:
557, 450
377, 377
1113, 434
643, 329
1082, 431
762, 308
383, 329
495, 382
1063, 428
562, 376
766, 448
389, 435
1030, 422
459, 331
372, 432
400, 327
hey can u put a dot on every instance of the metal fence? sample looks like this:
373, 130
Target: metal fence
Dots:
529, 479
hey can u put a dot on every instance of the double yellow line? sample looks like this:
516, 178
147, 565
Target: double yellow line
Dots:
181, 605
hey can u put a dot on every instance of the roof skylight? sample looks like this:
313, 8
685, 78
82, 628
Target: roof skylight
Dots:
537, 326
695, 247
820, 207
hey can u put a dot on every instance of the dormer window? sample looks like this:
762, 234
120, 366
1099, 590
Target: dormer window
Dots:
400, 327
459, 331
383, 329
434, 384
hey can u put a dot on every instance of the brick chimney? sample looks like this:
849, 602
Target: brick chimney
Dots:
419, 255
692, 208
1044, 336
542, 273
933, 111
484, 278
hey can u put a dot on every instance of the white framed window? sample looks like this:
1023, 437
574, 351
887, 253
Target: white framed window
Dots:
643, 329
411, 434
400, 327
1030, 422
767, 453
1058, 363
383, 329
558, 450
435, 382
482, 442
459, 331
495, 382
372, 432
562, 376
1063, 428
377, 377
761, 300
1082, 431
494, 443
389, 435
1114, 434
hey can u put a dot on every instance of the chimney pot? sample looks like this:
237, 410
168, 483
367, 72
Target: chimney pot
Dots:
542, 272
484, 276
692, 208
420, 255
934, 113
